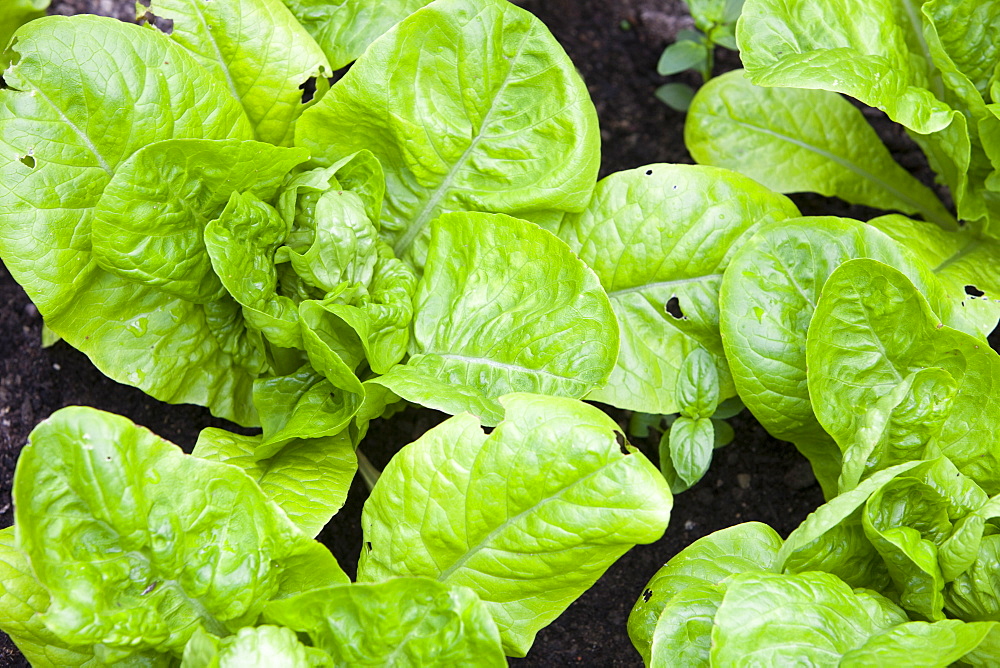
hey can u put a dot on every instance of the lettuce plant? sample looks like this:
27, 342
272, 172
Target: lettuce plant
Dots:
126, 549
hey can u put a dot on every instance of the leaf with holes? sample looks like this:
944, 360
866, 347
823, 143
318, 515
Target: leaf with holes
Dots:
470, 105
503, 306
257, 49
659, 238
528, 517
767, 300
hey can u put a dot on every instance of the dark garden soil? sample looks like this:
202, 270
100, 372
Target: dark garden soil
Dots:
615, 44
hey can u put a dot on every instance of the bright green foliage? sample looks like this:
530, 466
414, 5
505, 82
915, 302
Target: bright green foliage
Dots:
401, 622
965, 265
251, 646
45, 237
928, 65
724, 601
345, 29
522, 141
14, 14
138, 544
503, 307
661, 234
23, 600
796, 140
524, 517
767, 300
658, 615
308, 479
257, 49
893, 393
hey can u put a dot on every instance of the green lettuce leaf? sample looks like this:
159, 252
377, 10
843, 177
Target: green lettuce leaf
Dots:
503, 306
258, 51
832, 538
23, 601
138, 544
708, 561
921, 644
662, 235
309, 479
400, 622
345, 29
149, 222
523, 516
517, 133
858, 353
965, 265
872, 50
802, 619
75, 79
13, 15
768, 295
251, 646
797, 140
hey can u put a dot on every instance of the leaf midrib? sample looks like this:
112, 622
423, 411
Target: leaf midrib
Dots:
414, 229
510, 521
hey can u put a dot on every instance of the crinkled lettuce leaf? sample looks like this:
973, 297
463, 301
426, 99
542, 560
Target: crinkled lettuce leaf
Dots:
403, 621
257, 49
659, 237
768, 295
892, 393
138, 544
503, 306
493, 118
524, 516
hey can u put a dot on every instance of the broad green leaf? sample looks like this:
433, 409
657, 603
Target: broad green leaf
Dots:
796, 140
345, 29
524, 517
240, 244
909, 518
401, 622
659, 238
968, 33
683, 633
23, 600
680, 56
886, 54
503, 306
150, 220
768, 295
813, 619
139, 544
301, 405
857, 352
690, 445
14, 14
872, 50
309, 479
698, 385
900, 426
965, 265
76, 79
975, 594
933, 645
832, 538
708, 561
251, 646
257, 49
494, 118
